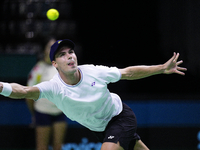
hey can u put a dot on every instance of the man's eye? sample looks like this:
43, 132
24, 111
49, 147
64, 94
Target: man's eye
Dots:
71, 51
62, 54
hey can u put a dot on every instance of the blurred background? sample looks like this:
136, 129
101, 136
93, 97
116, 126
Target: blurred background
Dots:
112, 33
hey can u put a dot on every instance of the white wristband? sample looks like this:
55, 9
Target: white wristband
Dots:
7, 89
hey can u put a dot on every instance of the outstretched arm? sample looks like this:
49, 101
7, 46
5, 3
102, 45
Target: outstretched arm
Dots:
17, 91
138, 72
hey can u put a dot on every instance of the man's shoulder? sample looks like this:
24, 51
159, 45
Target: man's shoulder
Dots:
86, 66
91, 66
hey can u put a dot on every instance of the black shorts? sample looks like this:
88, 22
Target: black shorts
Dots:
42, 119
121, 128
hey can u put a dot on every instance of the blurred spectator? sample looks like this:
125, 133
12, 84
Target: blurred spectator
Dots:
48, 120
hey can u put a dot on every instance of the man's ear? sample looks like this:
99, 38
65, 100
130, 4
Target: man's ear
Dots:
54, 64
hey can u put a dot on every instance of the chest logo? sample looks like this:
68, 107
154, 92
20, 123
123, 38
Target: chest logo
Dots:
93, 84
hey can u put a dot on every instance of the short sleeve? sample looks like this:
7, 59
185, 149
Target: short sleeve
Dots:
110, 74
46, 90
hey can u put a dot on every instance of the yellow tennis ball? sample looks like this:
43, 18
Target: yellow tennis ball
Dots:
52, 14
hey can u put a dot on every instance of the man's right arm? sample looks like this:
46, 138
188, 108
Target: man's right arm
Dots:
19, 91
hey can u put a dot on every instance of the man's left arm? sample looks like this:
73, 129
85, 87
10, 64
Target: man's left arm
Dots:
139, 72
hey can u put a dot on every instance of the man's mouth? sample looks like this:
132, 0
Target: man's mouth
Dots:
71, 64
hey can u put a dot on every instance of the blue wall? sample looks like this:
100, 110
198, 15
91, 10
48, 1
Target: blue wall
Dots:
149, 113
167, 113
19, 66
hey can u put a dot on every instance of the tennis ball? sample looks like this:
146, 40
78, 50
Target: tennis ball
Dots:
52, 14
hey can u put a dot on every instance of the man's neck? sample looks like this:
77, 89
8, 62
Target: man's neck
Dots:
71, 79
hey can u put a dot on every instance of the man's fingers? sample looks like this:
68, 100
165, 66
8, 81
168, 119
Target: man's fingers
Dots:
173, 57
179, 72
182, 68
177, 55
179, 62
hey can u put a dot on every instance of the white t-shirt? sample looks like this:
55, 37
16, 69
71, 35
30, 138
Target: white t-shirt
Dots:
89, 102
43, 72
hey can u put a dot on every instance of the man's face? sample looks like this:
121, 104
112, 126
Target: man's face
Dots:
66, 61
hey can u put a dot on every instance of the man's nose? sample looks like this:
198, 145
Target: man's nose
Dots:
69, 56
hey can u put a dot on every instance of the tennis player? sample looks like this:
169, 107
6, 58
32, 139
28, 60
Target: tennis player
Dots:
81, 92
